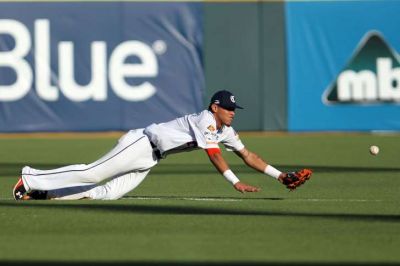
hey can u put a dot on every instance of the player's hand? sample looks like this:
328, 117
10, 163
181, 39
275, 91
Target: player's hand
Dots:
241, 187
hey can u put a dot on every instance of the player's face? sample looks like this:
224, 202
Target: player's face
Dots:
223, 116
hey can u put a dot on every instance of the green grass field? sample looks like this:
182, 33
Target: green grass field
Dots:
185, 213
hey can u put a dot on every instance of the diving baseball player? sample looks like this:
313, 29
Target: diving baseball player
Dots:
136, 152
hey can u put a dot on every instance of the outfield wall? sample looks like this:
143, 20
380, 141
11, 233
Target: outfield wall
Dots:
245, 52
343, 65
90, 66
295, 65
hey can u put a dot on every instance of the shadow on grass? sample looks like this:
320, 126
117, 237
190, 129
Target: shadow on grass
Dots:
194, 263
170, 209
14, 169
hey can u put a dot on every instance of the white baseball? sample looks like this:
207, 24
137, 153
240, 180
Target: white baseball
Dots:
374, 150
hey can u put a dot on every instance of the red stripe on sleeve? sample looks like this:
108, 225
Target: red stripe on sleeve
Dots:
212, 151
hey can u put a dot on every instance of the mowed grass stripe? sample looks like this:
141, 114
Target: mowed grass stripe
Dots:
186, 213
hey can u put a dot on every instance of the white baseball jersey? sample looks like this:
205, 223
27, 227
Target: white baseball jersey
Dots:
191, 132
131, 159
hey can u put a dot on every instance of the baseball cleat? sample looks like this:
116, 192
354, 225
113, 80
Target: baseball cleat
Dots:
36, 195
19, 190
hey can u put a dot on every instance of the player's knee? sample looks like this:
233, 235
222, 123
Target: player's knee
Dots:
113, 195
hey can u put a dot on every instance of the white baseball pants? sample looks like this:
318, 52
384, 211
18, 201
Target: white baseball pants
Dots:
127, 163
114, 189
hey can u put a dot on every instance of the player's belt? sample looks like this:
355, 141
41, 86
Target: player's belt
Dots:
156, 151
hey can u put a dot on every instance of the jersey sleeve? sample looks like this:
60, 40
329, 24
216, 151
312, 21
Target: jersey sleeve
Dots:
205, 131
232, 141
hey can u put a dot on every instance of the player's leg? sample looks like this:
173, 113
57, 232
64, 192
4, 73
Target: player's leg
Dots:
112, 190
118, 187
69, 193
132, 153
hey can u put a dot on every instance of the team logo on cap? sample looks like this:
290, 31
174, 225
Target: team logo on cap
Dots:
233, 99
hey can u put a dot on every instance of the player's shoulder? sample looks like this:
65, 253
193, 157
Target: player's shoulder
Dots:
230, 131
204, 117
205, 114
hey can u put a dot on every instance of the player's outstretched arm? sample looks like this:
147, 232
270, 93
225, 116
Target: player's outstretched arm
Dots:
221, 165
291, 180
256, 162
252, 159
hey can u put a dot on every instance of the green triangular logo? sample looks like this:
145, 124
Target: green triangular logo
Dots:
371, 76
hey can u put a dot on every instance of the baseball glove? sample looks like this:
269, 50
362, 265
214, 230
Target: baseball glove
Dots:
295, 179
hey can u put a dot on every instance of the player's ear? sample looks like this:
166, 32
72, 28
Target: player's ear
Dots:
214, 108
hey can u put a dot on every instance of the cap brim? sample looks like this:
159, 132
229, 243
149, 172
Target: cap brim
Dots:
231, 108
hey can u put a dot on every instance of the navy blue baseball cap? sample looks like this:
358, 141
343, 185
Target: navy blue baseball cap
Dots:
225, 99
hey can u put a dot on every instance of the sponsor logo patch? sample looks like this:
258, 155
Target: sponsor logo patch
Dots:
371, 76
211, 128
